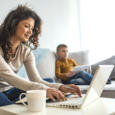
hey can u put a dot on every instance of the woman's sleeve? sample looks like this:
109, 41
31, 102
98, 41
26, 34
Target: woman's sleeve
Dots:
8, 75
33, 73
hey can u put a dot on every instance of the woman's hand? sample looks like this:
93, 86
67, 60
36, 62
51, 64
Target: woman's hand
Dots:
71, 88
54, 94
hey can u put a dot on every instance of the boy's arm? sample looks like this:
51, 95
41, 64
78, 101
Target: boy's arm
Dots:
74, 62
58, 72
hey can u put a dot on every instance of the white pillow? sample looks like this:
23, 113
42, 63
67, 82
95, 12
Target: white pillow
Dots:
81, 57
46, 66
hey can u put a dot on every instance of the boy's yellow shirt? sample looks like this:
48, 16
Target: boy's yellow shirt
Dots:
64, 66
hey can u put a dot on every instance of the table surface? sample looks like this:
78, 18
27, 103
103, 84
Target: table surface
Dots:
102, 106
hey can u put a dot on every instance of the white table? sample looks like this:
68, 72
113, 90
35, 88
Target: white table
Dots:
103, 106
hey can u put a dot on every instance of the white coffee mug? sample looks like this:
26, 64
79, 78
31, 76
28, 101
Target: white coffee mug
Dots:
36, 100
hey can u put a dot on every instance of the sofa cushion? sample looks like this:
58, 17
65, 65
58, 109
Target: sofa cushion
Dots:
106, 87
45, 62
22, 72
109, 89
40, 54
81, 57
108, 61
46, 66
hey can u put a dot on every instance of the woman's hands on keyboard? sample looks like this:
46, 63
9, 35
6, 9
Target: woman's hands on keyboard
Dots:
59, 94
71, 88
55, 94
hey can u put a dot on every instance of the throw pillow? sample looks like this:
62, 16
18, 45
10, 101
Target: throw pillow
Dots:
108, 61
46, 66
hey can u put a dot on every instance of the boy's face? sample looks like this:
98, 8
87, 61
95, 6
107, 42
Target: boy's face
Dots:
62, 53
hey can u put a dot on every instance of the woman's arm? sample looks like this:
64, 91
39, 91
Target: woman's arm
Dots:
8, 75
34, 74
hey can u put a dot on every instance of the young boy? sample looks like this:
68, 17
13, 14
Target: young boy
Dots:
64, 67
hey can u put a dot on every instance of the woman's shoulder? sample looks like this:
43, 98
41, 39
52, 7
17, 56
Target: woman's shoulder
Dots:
24, 48
26, 51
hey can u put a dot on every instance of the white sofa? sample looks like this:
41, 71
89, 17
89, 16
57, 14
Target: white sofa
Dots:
45, 62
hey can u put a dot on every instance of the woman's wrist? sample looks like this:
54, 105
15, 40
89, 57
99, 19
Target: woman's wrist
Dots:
61, 88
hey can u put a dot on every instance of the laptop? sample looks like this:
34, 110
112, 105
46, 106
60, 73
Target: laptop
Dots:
93, 93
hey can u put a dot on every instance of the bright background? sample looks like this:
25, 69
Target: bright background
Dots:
81, 24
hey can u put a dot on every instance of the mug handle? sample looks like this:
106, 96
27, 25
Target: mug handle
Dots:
22, 100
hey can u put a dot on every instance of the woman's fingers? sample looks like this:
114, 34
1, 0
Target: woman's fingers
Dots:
71, 88
77, 89
61, 96
52, 98
54, 94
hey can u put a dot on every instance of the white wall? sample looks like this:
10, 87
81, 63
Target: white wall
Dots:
60, 20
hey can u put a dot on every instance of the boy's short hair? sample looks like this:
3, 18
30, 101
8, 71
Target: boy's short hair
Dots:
61, 46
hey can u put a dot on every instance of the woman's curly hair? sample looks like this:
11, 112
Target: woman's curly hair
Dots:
8, 29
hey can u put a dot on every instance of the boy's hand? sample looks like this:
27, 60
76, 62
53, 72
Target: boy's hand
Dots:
70, 74
86, 69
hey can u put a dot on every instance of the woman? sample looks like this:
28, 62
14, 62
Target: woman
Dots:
18, 36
